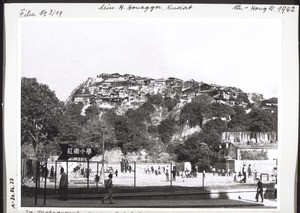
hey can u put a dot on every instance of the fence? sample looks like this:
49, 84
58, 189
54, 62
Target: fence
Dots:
139, 174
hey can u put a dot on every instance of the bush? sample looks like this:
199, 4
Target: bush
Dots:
254, 155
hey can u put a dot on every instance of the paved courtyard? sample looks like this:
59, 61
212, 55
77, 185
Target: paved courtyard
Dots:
223, 192
149, 179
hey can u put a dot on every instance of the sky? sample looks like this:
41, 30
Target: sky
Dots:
244, 53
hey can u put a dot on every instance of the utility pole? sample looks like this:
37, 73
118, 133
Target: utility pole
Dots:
103, 152
134, 174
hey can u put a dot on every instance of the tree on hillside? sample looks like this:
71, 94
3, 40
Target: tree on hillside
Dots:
262, 120
147, 109
136, 116
141, 114
156, 99
217, 125
166, 129
201, 147
73, 111
69, 129
110, 116
93, 133
221, 110
153, 130
40, 113
92, 112
242, 97
71, 123
192, 114
170, 102
129, 138
193, 150
239, 120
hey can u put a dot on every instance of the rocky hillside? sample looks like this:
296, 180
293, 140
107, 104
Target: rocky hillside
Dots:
167, 116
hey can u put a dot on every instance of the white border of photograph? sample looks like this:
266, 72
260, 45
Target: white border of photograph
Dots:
287, 91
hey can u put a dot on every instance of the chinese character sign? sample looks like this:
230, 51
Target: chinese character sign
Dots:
69, 152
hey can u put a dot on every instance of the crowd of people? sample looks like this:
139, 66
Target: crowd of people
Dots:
240, 177
170, 174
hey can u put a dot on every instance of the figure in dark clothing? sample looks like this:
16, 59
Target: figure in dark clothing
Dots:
108, 183
130, 169
167, 175
45, 172
244, 174
97, 178
259, 190
52, 172
63, 184
249, 171
174, 174
239, 177
122, 166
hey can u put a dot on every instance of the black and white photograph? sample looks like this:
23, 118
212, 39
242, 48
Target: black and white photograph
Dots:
152, 112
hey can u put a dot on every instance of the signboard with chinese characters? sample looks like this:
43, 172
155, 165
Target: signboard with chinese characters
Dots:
70, 152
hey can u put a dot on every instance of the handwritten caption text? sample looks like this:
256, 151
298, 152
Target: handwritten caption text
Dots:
263, 8
26, 13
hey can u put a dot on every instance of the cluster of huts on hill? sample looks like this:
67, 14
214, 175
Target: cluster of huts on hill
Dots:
109, 90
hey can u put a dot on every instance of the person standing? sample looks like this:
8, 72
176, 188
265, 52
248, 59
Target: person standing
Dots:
52, 172
214, 171
228, 172
108, 183
174, 174
240, 180
244, 174
259, 190
182, 175
249, 171
167, 175
223, 172
63, 184
129, 168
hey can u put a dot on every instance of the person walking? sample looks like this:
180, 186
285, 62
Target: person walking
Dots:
259, 190
63, 184
108, 183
